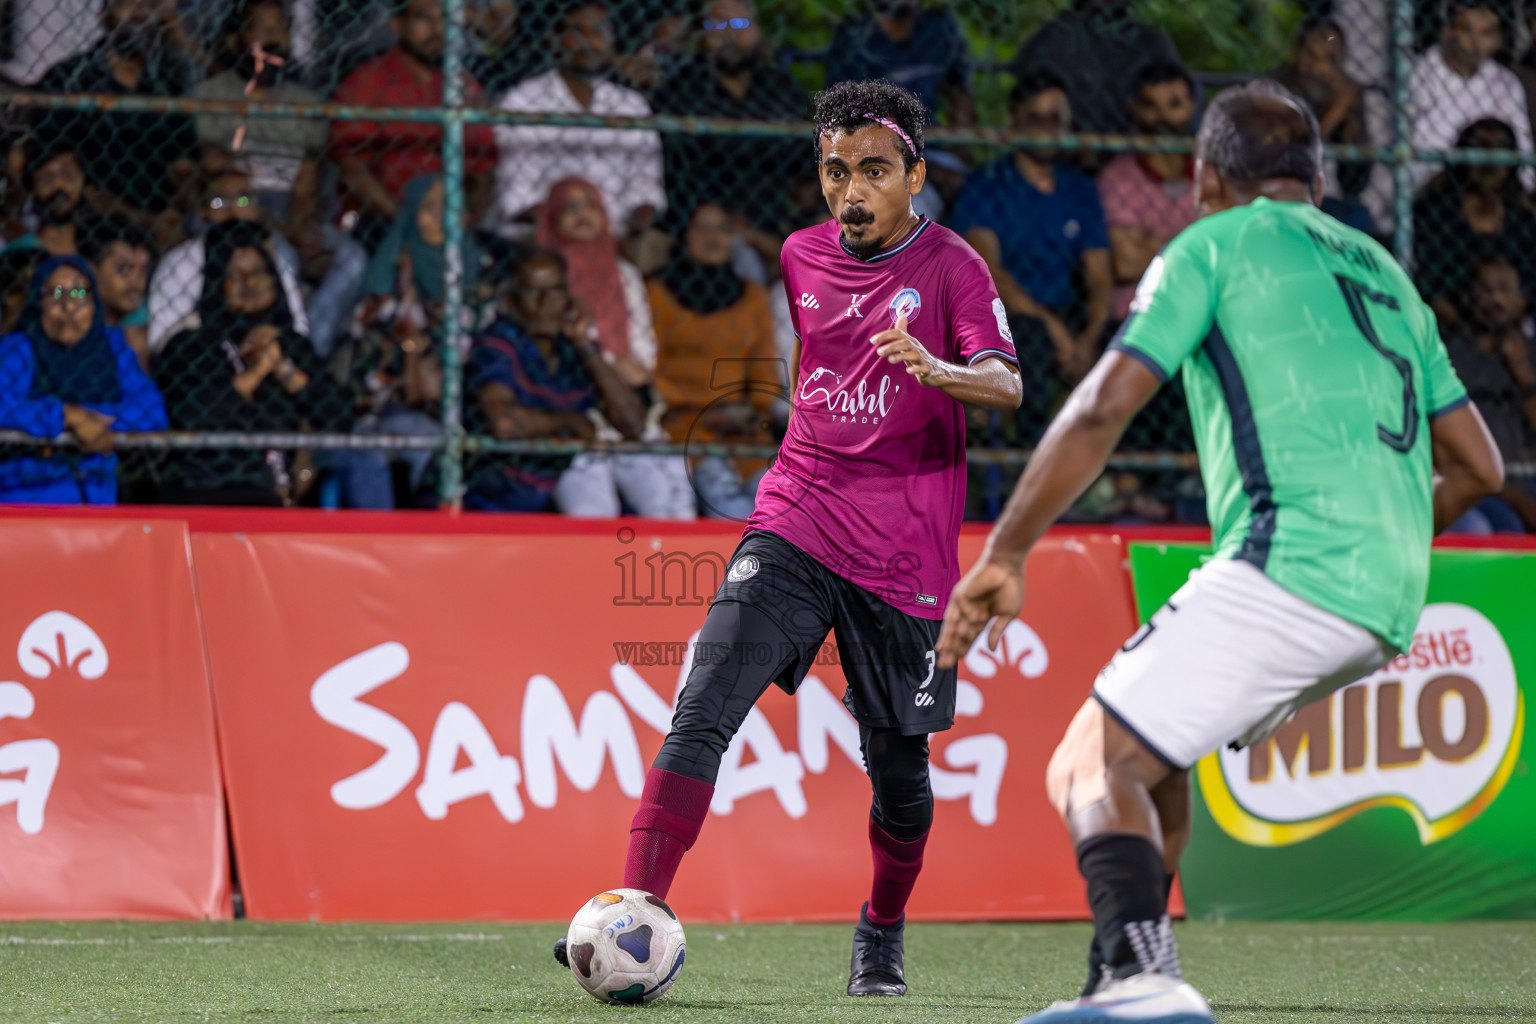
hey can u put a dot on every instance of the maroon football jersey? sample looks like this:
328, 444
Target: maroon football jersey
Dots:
870, 480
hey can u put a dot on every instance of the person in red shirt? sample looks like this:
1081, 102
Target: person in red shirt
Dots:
378, 160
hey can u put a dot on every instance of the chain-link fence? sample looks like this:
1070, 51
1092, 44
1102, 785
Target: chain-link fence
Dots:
351, 252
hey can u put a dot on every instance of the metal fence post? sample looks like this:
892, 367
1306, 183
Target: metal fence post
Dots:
1402, 130
454, 340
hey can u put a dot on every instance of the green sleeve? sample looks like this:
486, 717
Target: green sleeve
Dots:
1174, 308
1446, 393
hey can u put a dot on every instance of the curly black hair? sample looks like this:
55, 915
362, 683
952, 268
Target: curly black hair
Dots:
849, 106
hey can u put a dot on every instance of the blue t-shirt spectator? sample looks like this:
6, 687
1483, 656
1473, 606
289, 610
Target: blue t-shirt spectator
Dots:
50, 370
933, 57
504, 354
1043, 235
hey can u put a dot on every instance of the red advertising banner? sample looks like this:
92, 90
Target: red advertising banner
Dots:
457, 726
110, 796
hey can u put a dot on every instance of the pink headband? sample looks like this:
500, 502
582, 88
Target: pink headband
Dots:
893, 126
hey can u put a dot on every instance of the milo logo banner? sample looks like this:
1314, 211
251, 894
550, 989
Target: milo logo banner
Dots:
1407, 795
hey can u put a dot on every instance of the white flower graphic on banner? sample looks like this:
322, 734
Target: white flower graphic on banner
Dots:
55, 641
58, 640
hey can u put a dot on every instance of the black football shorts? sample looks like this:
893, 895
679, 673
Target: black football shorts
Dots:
886, 655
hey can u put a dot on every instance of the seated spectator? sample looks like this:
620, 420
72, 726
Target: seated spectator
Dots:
16, 267
501, 51
1037, 222
378, 161
66, 369
55, 180
1471, 210
717, 369
242, 368
395, 370
282, 153
178, 278
1495, 359
534, 373
920, 50
1149, 197
574, 223
734, 77
1315, 74
143, 161
1458, 82
120, 253
625, 164
1096, 48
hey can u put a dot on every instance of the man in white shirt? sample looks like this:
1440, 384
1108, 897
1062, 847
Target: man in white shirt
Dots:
625, 165
1459, 82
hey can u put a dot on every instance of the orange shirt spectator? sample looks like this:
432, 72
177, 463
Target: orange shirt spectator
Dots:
716, 365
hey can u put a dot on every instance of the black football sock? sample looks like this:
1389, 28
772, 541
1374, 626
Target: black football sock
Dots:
1096, 956
1127, 893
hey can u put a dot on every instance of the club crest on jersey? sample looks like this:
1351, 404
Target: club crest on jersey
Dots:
746, 567
906, 304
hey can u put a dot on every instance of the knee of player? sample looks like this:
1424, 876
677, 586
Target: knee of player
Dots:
1058, 779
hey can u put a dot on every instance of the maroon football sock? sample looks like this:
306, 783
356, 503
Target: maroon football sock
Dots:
672, 810
897, 865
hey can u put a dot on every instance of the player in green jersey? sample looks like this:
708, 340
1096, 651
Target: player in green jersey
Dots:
1334, 439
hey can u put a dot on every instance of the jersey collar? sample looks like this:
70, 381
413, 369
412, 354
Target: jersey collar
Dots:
885, 254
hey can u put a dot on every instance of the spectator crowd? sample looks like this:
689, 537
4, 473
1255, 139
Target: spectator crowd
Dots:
277, 275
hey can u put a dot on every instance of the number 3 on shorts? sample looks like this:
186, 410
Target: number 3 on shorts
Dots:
929, 677
1146, 628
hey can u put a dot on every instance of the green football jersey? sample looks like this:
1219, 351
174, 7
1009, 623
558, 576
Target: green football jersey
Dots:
1312, 369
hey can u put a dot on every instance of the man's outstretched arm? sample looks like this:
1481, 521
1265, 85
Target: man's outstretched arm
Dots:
1070, 458
992, 383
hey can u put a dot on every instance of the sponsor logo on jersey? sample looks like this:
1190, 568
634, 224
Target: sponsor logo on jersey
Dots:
853, 305
906, 304
863, 403
1436, 734
927, 599
745, 567
808, 301
1002, 320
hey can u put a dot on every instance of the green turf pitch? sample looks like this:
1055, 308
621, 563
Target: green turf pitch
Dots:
984, 973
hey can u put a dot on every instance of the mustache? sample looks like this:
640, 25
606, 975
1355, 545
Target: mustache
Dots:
856, 215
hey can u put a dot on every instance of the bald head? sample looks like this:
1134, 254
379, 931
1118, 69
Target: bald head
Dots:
1257, 134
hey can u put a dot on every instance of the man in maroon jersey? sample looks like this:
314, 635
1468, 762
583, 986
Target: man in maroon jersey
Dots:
856, 524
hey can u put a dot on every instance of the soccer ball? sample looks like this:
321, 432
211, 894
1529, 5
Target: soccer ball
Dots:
625, 946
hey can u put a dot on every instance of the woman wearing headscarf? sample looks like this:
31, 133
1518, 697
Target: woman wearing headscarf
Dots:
395, 373
64, 369
574, 222
242, 368
714, 330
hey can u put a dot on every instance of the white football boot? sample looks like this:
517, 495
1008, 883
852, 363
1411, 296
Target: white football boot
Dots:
1148, 998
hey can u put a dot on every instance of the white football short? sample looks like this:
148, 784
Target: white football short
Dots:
1228, 659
